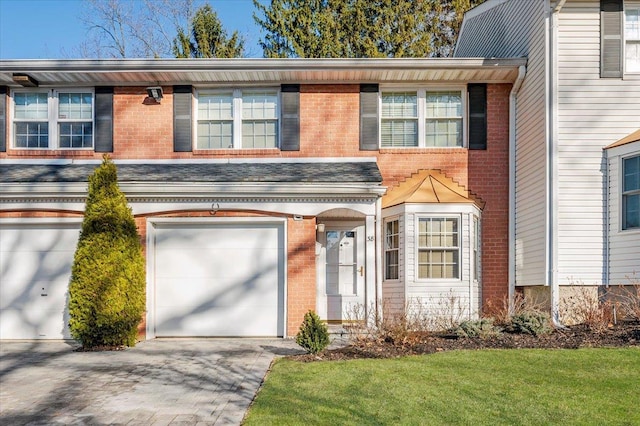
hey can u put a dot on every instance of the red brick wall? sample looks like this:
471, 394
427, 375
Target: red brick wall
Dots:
329, 127
489, 178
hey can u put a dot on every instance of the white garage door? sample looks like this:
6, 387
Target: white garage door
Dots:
35, 267
219, 279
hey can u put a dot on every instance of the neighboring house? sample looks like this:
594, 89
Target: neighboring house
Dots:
258, 186
575, 215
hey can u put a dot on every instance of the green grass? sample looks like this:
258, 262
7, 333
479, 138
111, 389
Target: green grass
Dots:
489, 387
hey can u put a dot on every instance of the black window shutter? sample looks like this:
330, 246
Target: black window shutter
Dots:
369, 117
611, 47
3, 118
104, 119
290, 126
477, 116
182, 125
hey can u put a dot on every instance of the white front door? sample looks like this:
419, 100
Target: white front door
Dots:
344, 273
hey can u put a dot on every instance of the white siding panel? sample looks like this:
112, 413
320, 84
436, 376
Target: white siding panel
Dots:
517, 28
592, 113
624, 246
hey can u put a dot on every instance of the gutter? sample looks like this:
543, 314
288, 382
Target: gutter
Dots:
513, 97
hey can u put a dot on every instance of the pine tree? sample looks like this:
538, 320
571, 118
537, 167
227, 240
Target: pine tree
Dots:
107, 287
360, 28
207, 38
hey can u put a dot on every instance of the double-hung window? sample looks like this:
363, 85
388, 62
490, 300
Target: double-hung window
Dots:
240, 118
631, 193
438, 247
632, 37
53, 119
391, 249
421, 118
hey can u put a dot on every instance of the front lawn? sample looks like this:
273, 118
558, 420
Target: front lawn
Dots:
529, 386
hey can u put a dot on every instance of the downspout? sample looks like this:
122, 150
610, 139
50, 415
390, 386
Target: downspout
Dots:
513, 97
552, 178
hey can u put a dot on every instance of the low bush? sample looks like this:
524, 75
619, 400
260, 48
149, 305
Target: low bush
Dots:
313, 335
534, 323
482, 328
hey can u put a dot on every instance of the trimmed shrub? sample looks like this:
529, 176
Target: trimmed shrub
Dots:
313, 335
534, 323
107, 288
481, 328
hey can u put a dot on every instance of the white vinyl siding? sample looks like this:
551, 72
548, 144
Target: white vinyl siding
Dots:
592, 113
624, 245
511, 29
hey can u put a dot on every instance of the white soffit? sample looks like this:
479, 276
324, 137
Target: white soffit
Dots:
132, 72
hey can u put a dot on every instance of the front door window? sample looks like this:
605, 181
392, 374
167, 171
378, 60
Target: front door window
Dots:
341, 263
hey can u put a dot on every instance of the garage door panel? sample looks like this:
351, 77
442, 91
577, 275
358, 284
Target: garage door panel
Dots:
198, 292
202, 324
224, 263
228, 280
35, 269
259, 236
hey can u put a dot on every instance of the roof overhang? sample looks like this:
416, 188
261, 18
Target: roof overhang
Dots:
633, 137
136, 72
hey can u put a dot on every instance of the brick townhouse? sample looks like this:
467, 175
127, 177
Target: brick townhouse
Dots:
261, 188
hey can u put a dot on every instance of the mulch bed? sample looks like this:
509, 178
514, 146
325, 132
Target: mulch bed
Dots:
622, 335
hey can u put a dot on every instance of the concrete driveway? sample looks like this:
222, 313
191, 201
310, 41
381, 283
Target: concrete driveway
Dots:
158, 382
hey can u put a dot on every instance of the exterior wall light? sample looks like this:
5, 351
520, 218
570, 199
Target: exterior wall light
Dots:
155, 92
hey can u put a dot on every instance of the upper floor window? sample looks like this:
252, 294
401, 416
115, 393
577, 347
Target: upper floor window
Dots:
438, 247
53, 119
240, 118
421, 118
632, 38
631, 192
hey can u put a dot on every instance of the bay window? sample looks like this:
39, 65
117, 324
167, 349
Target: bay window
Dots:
438, 247
391, 249
631, 193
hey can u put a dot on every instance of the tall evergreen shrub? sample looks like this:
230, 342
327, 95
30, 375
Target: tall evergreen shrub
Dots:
107, 288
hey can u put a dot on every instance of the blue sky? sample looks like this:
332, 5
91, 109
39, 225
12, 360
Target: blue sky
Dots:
41, 29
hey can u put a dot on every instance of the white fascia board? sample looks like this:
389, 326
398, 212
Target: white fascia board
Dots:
200, 189
250, 64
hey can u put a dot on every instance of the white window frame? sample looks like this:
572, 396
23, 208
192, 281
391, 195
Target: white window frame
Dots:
236, 94
421, 92
459, 247
628, 5
476, 249
52, 118
624, 194
387, 249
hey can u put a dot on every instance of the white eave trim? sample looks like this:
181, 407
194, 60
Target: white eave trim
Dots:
243, 160
62, 190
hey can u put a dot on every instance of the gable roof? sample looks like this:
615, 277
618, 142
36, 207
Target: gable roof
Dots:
633, 137
429, 186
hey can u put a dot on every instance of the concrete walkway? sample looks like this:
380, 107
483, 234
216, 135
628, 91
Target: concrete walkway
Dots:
158, 382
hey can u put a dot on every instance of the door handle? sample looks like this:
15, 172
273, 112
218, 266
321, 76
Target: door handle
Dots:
361, 270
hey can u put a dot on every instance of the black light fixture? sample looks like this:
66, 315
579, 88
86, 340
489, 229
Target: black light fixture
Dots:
25, 80
155, 92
